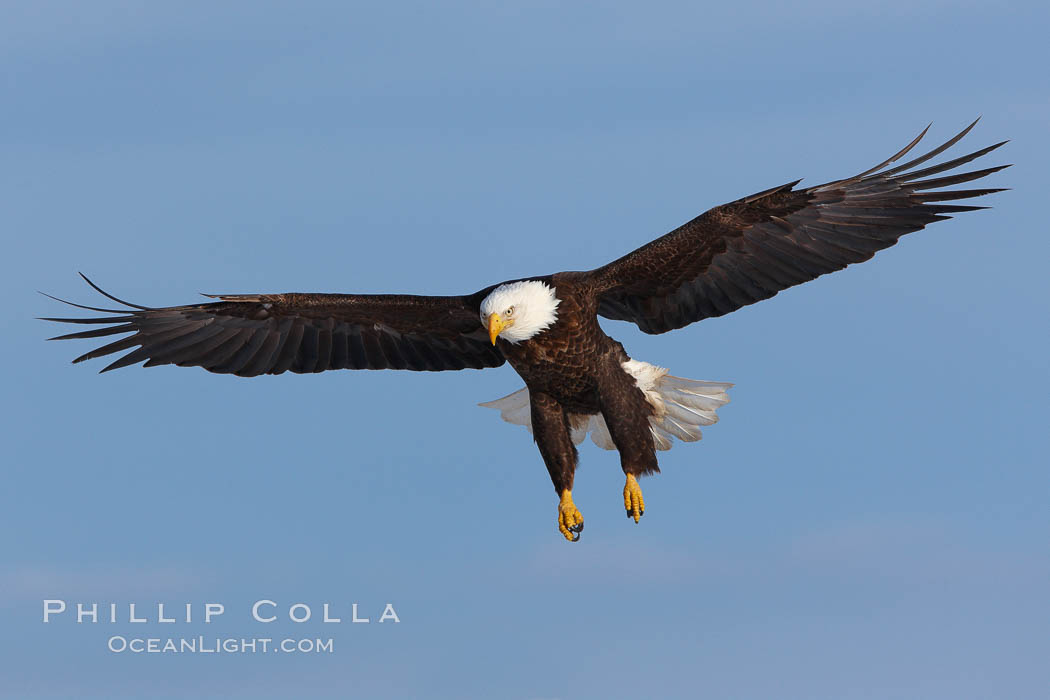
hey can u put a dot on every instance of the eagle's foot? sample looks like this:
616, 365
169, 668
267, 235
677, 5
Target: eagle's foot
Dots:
570, 520
632, 499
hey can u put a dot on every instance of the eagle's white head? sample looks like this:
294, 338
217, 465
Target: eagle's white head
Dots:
519, 310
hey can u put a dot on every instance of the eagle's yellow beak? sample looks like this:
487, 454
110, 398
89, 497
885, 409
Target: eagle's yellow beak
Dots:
496, 326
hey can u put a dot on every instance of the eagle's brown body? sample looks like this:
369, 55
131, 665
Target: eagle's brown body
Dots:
575, 369
731, 256
562, 361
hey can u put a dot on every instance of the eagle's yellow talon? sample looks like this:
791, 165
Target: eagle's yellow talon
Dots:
570, 520
632, 499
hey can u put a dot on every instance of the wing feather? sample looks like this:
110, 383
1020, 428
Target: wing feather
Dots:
253, 334
751, 249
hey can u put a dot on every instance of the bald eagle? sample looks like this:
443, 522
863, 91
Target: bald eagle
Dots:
578, 380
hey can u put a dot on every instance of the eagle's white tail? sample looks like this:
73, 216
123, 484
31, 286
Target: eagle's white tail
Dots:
680, 406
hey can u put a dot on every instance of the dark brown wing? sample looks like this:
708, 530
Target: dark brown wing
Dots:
252, 334
750, 249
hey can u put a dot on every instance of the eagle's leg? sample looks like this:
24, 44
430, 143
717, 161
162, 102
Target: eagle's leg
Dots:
626, 412
550, 427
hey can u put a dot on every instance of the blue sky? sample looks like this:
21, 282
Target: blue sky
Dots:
868, 520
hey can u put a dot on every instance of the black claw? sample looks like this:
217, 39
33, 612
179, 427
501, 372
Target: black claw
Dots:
577, 537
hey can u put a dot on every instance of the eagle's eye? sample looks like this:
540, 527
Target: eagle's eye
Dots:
509, 311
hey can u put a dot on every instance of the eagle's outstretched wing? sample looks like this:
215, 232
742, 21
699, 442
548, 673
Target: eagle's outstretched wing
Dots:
750, 249
252, 334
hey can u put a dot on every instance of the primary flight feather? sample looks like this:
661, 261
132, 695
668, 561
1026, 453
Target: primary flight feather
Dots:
579, 381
